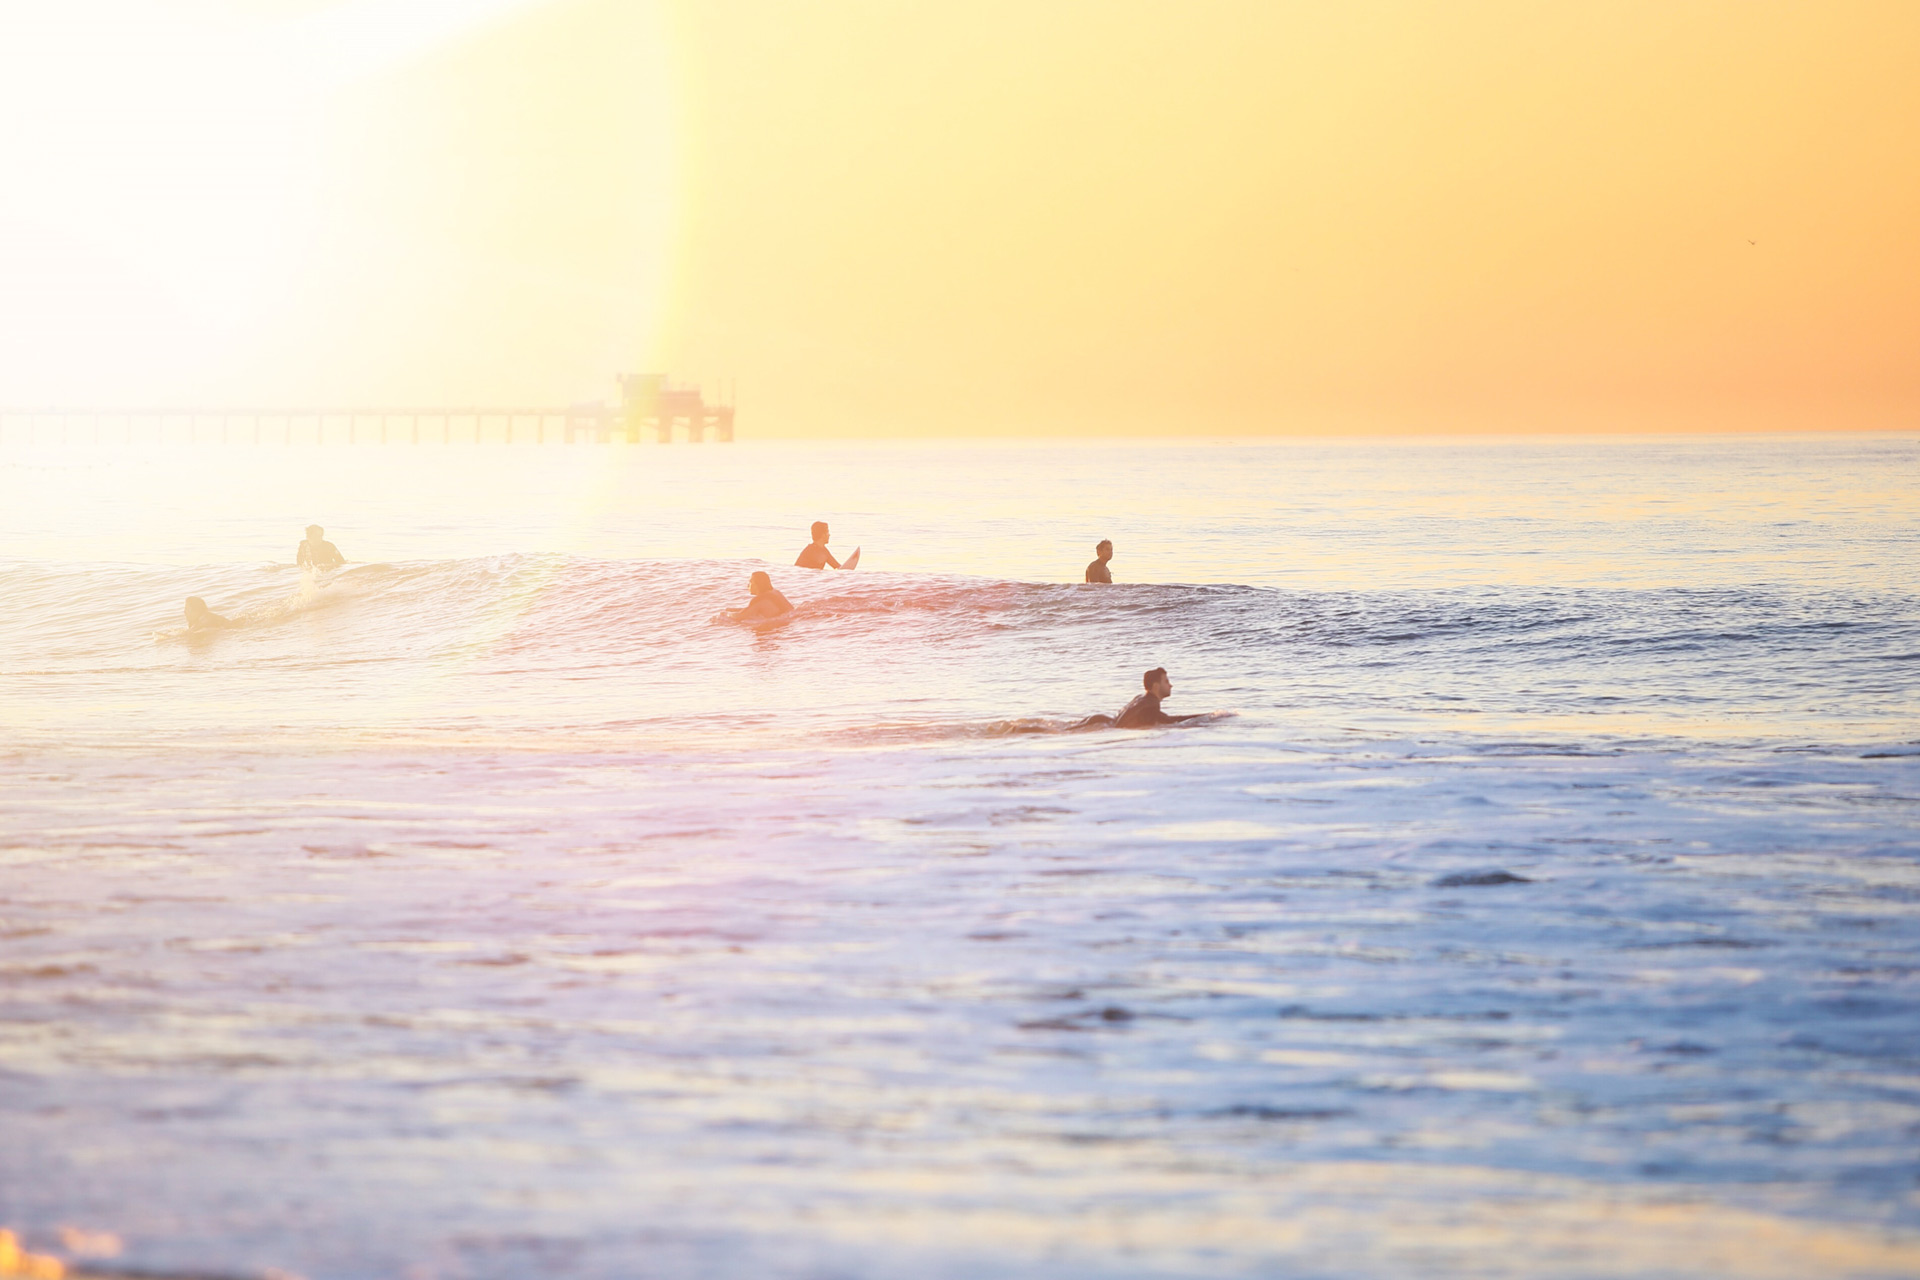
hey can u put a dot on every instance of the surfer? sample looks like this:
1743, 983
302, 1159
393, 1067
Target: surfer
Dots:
1098, 571
1144, 711
816, 556
316, 552
766, 602
201, 618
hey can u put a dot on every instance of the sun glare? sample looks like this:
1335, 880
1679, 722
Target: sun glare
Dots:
995, 218
205, 197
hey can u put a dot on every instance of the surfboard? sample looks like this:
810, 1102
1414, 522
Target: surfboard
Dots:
852, 561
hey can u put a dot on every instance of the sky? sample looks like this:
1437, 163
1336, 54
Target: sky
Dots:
868, 218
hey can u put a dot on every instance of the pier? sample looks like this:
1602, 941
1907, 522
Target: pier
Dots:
651, 409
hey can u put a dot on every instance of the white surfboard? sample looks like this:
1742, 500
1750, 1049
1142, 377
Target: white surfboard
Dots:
852, 561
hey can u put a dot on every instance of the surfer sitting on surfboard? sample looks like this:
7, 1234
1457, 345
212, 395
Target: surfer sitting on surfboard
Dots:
316, 552
766, 602
816, 556
1098, 571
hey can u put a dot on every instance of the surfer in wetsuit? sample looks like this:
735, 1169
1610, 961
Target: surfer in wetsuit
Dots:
1144, 711
1098, 571
766, 602
200, 618
815, 554
316, 552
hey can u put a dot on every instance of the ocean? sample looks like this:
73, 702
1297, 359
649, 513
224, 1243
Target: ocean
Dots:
1539, 894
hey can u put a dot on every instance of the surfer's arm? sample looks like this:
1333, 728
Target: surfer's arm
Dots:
831, 562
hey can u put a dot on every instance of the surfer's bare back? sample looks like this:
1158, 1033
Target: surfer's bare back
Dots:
815, 554
1144, 711
766, 603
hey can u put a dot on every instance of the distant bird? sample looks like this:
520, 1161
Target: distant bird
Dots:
1753, 242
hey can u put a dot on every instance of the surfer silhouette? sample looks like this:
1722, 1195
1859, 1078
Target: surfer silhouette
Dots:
1144, 711
316, 552
201, 618
816, 556
1098, 571
766, 603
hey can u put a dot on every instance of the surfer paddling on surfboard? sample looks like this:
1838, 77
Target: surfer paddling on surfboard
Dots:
816, 556
316, 552
200, 618
766, 602
1144, 711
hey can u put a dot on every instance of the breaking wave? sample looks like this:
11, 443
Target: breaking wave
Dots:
564, 643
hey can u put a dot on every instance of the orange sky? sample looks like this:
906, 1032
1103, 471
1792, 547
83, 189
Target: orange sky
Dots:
920, 218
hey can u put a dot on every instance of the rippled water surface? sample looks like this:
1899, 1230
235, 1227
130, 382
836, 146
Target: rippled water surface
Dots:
1543, 900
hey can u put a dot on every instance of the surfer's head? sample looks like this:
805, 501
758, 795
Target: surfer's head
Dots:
820, 531
759, 584
1156, 682
315, 533
1104, 549
196, 609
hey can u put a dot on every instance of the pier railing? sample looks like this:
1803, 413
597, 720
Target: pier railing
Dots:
581, 424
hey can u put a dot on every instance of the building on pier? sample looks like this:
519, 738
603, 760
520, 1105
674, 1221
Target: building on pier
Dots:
648, 399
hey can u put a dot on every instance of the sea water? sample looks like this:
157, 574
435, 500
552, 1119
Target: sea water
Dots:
1539, 897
